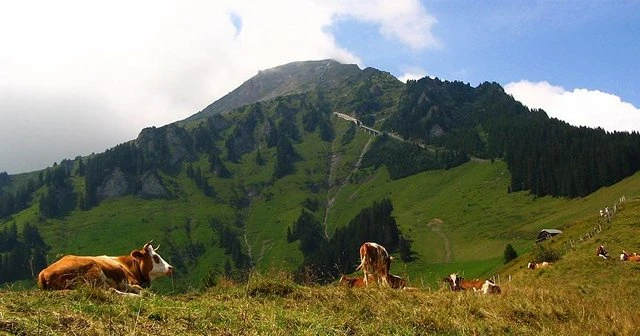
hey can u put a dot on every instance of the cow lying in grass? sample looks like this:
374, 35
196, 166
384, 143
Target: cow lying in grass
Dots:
490, 288
394, 281
126, 275
602, 252
533, 266
352, 282
624, 256
457, 283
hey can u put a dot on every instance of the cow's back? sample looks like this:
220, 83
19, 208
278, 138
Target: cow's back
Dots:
471, 284
70, 270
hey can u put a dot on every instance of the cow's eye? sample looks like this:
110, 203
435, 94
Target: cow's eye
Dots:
156, 259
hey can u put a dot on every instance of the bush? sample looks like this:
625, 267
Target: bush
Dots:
542, 254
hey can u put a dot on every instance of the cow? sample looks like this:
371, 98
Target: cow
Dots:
352, 282
126, 275
397, 282
374, 260
457, 283
533, 265
490, 288
601, 252
624, 256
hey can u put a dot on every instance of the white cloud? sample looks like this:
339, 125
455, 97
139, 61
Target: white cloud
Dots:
412, 73
404, 20
116, 67
580, 107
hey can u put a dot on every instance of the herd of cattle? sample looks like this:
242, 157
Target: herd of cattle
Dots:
128, 275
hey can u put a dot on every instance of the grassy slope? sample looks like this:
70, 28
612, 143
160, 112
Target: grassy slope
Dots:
468, 209
580, 295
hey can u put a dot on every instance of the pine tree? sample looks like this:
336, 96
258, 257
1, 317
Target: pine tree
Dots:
509, 253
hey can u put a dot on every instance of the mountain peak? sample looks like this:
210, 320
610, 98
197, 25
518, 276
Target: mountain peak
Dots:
290, 78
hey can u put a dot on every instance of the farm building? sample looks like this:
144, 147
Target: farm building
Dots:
546, 234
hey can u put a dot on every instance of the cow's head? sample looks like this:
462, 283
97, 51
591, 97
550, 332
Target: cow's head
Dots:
397, 282
151, 263
623, 256
454, 281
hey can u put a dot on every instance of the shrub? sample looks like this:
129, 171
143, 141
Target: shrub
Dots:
541, 254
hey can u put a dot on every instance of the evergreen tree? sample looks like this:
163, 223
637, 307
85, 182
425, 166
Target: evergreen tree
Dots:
217, 166
259, 159
228, 269
81, 167
285, 157
509, 253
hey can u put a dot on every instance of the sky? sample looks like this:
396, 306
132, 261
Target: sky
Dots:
79, 77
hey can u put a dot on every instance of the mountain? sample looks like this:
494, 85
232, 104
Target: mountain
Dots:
291, 78
301, 164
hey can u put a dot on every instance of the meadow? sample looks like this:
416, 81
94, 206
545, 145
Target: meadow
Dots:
581, 294
274, 305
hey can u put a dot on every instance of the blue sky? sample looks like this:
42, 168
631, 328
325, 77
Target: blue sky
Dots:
80, 76
574, 44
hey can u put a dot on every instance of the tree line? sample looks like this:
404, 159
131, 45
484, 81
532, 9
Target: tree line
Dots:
22, 256
544, 155
327, 258
405, 159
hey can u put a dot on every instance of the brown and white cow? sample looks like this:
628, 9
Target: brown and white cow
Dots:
533, 266
458, 283
123, 274
490, 288
624, 256
602, 252
374, 260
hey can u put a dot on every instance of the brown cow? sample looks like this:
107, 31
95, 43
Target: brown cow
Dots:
457, 283
352, 282
123, 275
533, 266
624, 256
374, 260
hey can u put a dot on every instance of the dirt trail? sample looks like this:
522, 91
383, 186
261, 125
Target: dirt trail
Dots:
435, 225
249, 253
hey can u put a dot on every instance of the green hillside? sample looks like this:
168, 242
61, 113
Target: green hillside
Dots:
459, 219
581, 294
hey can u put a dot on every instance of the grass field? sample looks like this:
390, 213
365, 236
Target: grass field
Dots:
577, 297
581, 294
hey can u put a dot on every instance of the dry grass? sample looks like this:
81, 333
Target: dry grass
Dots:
274, 305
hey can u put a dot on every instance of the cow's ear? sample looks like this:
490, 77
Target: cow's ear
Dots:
137, 254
